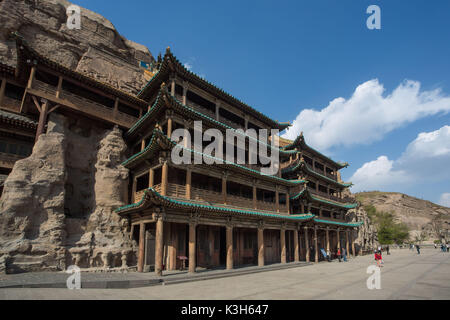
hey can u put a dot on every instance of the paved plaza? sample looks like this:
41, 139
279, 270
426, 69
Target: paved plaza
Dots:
405, 275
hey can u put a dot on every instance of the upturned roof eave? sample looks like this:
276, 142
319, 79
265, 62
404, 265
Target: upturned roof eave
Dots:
176, 66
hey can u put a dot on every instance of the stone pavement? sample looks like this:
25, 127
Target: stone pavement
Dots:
405, 275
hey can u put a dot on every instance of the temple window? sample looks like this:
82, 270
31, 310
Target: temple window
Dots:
142, 182
311, 185
14, 92
200, 101
47, 78
128, 110
87, 94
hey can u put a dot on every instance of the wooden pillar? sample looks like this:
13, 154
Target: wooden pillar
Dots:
151, 178
277, 199
141, 255
255, 198
159, 246
184, 95
283, 245
308, 251
59, 87
288, 203
328, 239
316, 247
169, 127
302, 205
353, 245
224, 189
229, 236
347, 244
192, 247
31, 79
188, 183
164, 178
296, 247
260, 246
217, 110
2, 90
338, 239
42, 119
142, 144
320, 211
172, 87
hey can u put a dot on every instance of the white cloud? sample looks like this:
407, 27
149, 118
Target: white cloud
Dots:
368, 115
445, 199
188, 66
426, 159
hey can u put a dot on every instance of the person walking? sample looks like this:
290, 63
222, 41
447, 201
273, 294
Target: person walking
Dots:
448, 247
387, 250
339, 254
418, 249
378, 258
435, 246
344, 254
329, 255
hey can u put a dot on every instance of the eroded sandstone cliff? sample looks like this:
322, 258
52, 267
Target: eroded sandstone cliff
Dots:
57, 205
97, 49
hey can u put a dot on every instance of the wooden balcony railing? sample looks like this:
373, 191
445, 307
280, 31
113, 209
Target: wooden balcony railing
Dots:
10, 104
213, 197
7, 160
84, 105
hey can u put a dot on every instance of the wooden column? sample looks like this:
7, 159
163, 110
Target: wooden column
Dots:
31, 78
328, 239
255, 198
172, 87
353, 245
184, 95
260, 246
192, 247
142, 144
224, 188
347, 244
283, 245
59, 87
229, 236
217, 110
2, 90
309, 208
42, 119
188, 183
277, 199
288, 203
302, 205
133, 190
316, 247
164, 178
159, 245
320, 212
296, 247
151, 178
338, 239
308, 251
141, 255
169, 127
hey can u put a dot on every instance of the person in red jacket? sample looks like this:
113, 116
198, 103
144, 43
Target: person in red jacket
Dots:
378, 258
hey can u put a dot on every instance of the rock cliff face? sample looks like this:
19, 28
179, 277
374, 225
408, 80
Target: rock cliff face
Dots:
97, 49
417, 214
57, 205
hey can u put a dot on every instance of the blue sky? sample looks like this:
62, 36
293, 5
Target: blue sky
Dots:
290, 59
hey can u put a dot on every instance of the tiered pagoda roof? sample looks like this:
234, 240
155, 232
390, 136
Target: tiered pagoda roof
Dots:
300, 164
306, 194
300, 142
171, 64
159, 141
152, 197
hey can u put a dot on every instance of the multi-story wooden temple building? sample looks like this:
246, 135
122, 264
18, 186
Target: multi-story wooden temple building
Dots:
198, 215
